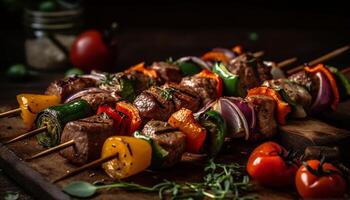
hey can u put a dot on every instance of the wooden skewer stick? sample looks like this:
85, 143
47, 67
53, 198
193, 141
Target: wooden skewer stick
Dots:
10, 113
321, 59
258, 54
53, 149
286, 62
84, 167
28, 134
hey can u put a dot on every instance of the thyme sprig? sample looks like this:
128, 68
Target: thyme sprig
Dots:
222, 181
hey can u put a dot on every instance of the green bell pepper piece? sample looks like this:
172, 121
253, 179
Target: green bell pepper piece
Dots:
342, 81
231, 81
56, 117
216, 126
188, 68
159, 155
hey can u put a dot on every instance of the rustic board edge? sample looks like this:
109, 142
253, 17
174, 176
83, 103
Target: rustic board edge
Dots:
32, 181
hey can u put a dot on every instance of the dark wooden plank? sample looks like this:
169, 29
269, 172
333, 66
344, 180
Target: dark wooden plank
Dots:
299, 134
28, 178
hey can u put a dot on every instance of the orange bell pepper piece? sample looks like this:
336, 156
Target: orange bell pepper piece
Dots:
208, 74
238, 49
215, 56
195, 133
321, 68
141, 68
282, 107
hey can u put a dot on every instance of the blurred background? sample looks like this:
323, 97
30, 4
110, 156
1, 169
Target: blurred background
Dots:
156, 30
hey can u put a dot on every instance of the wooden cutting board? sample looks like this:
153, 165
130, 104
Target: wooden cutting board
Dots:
35, 176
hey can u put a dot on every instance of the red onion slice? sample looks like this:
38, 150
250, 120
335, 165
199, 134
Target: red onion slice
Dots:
247, 110
84, 92
195, 60
324, 94
236, 122
204, 109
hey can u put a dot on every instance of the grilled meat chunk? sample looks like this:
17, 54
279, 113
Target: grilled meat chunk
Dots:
183, 97
168, 138
301, 78
204, 87
101, 98
167, 72
266, 124
153, 105
141, 81
66, 87
89, 135
295, 92
252, 71
159, 103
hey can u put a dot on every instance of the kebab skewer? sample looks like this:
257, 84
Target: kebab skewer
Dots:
258, 98
146, 96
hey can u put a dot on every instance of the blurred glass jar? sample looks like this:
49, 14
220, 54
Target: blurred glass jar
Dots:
49, 36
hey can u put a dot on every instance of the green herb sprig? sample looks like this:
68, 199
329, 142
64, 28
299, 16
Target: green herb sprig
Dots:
222, 181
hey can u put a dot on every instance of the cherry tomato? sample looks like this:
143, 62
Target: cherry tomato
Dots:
271, 165
90, 51
317, 180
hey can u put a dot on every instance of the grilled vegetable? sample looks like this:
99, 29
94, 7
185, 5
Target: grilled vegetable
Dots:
215, 125
141, 68
230, 81
196, 134
321, 68
32, 104
342, 82
54, 119
132, 115
133, 155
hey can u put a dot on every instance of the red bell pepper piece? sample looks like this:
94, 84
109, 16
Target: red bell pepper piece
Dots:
132, 116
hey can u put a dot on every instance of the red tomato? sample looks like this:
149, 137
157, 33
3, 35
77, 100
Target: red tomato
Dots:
89, 51
269, 165
325, 182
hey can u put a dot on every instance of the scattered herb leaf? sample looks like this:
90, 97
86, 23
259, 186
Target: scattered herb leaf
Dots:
11, 195
167, 93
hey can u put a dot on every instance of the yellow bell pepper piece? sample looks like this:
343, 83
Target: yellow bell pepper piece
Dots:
32, 104
133, 155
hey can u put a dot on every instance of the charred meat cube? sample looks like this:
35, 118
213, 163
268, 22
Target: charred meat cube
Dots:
153, 105
101, 98
301, 78
89, 135
167, 72
170, 139
295, 92
66, 87
204, 87
264, 107
183, 97
251, 70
